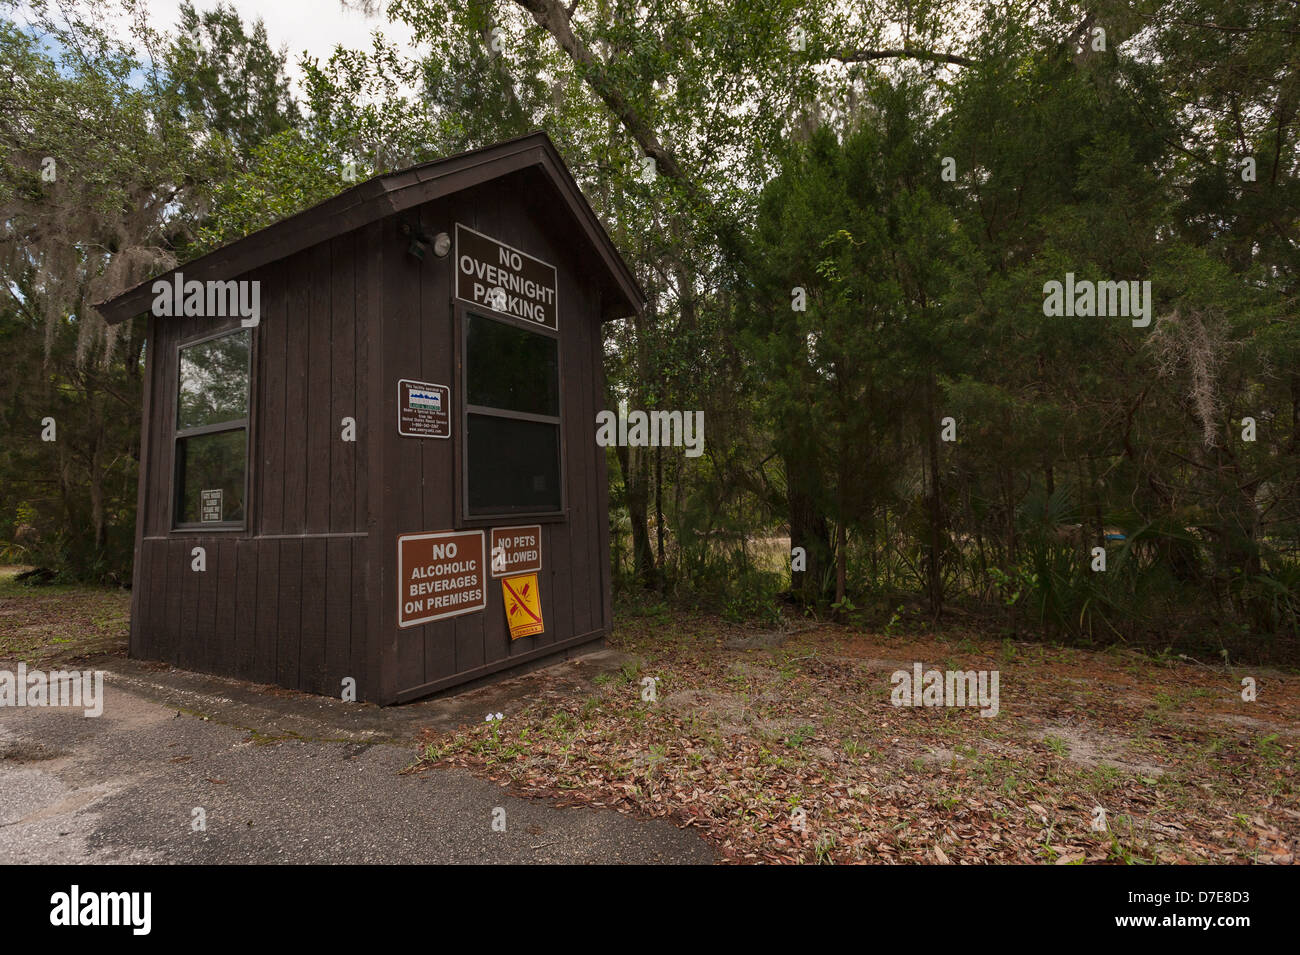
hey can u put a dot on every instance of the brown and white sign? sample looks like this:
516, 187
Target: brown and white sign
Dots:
423, 409
493, 275
439, 575
516, 550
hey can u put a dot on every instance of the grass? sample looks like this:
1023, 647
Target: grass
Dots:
47, 625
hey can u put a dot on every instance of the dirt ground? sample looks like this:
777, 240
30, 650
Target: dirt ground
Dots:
784, 746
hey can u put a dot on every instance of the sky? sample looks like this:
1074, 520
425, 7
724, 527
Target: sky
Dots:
311, 26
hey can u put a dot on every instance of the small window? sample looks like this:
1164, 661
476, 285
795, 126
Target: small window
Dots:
512, 426
212, 431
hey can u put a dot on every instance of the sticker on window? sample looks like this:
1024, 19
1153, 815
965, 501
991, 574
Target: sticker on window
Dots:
211, 505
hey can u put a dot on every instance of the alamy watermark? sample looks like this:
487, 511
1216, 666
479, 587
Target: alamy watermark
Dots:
946, 688
79, 689
74, 907
1086, 298
651, 429
211, 299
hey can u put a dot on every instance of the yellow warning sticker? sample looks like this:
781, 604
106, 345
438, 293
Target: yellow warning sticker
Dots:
523, 605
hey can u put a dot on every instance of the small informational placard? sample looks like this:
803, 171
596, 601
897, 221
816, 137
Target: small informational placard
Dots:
493, 275
523, 606
210, 506
516, 550
423, 409
439, 575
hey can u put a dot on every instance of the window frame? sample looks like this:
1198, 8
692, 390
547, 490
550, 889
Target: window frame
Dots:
465, 409
179, 434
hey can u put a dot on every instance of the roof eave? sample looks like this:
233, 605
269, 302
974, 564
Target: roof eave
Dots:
385, 195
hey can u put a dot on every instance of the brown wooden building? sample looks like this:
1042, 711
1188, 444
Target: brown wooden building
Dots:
425, 360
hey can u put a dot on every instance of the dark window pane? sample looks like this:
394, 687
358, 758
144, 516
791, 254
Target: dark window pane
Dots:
510, 368
513, 465
212, 463
213, 381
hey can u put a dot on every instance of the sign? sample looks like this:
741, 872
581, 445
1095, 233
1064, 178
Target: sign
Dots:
423, 410
492, 274
210, 506
439, 575
523, 606
516, 550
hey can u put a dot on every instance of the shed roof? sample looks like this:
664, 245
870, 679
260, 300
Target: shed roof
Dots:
384, 195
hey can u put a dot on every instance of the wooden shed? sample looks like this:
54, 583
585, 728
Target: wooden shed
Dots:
378, 463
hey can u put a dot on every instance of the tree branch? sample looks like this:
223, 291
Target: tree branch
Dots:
908, 53
1077, 35
552, 17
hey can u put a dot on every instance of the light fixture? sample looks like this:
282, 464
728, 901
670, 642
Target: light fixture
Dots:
421, 241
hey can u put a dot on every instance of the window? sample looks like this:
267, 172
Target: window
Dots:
512, 420
212, 431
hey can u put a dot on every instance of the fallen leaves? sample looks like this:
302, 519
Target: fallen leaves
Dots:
744, 744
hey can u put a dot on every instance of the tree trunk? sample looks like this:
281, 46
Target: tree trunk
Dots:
635, 482
841, 562
809, 530
933, 569
659, 508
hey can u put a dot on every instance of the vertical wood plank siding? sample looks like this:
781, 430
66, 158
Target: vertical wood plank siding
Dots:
305, 595
283, 600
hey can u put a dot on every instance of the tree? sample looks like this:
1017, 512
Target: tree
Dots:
106, 173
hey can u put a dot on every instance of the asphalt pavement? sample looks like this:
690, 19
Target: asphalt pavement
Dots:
185, 768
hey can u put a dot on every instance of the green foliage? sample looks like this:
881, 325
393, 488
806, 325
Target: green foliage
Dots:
777, 167
108, 170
